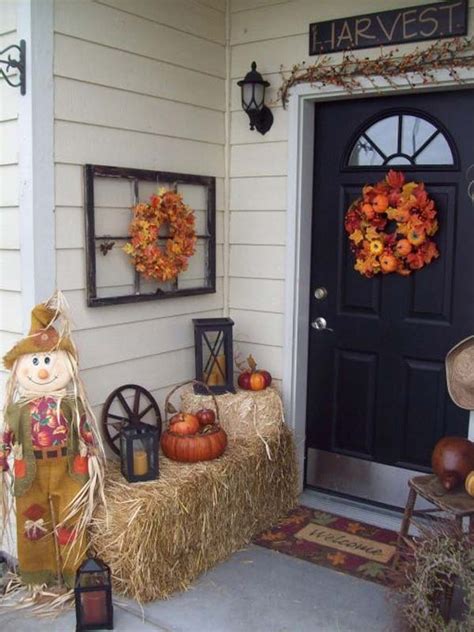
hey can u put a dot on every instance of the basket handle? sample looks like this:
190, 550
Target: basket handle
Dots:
180, 385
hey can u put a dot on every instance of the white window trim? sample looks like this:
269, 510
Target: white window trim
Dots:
298, 250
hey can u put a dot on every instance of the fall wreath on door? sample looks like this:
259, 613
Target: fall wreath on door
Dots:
390, 227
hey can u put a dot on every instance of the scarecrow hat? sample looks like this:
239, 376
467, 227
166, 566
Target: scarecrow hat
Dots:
460, 373
43, 337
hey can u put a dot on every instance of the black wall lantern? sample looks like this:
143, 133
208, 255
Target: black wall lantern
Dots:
93, 596
253, 100
213, 348
139, 452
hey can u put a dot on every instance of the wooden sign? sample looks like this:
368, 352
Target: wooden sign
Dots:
412, 24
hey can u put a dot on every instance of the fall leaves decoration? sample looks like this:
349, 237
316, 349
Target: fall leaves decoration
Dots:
148, 257
356, 73
390, 227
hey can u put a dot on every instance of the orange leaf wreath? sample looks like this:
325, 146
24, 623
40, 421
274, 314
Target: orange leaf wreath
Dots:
390, 226
162, 263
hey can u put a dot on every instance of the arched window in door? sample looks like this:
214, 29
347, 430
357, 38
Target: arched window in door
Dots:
405, 139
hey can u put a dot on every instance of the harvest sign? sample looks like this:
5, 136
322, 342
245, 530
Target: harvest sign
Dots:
412, 24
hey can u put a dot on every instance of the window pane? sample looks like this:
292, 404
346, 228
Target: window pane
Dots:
415, 131
398, 160
364, 154
384, 134
437, 152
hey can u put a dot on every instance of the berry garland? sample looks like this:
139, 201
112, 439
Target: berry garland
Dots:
390, 226
150, 259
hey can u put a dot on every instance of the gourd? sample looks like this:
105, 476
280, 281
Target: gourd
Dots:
469, 483
203, 443
453, 460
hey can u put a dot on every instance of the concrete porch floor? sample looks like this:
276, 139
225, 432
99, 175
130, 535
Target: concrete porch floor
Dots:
258, 590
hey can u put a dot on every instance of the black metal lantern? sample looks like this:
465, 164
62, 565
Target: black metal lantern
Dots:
214, 354
93, 596
253, 100
139, 452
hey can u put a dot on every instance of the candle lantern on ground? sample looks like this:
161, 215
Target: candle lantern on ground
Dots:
93, 595
213, 349
139, 452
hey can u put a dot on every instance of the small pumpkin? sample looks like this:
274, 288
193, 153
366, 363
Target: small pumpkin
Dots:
403, 247
380, 203
251, 378
388, 263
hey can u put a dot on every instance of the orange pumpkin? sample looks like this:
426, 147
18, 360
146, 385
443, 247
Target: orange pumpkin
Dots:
388, 263
368, 210
257, 381
403, 247
380, 203
191, 449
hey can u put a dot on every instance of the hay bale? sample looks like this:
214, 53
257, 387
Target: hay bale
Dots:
159, 536
241, 413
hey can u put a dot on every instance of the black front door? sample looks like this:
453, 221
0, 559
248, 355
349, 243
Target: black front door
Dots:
376, 383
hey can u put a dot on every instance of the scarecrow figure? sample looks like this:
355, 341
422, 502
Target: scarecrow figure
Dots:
51, 454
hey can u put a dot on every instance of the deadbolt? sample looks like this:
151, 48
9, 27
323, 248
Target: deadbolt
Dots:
320, 293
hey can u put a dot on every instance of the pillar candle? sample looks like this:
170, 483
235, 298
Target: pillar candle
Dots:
140, 462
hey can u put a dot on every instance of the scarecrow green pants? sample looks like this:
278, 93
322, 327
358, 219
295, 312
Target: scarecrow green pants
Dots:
44, 555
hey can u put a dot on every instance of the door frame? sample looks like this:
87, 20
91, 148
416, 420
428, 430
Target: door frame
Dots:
301, 109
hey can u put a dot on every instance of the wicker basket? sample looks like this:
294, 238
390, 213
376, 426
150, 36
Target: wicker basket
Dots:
207, 444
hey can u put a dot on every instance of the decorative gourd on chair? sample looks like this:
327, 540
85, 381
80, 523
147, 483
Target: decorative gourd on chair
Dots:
50, 450
452, 460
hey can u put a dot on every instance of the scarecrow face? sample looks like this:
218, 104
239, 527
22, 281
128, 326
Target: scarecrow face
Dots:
43, 372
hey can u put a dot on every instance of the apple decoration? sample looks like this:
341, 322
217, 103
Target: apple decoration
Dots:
206, 417
184, 424
251, 379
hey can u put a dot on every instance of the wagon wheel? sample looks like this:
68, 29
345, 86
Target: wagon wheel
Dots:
124, 413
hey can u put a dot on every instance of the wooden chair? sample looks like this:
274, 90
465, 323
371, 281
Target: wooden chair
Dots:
456, 503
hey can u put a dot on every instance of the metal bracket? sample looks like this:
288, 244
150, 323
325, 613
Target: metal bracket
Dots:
19, 63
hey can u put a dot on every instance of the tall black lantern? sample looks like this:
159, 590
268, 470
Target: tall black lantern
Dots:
214, 354
139, 452
253, 100
93, 596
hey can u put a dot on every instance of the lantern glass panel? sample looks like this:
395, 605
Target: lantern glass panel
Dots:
94, 609
214, 358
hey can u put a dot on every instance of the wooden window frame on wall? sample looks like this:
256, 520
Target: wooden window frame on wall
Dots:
100, 171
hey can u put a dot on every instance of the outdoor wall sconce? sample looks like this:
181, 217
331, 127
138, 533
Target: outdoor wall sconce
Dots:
19, 63
253, 100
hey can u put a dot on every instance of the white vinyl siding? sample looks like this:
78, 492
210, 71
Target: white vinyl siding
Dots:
138, 85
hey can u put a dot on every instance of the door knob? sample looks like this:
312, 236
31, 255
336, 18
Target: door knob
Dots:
321, 324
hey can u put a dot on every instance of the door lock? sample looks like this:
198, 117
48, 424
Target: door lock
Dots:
320, 324
320, 293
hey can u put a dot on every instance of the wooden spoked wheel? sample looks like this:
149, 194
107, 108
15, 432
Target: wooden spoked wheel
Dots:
128, 405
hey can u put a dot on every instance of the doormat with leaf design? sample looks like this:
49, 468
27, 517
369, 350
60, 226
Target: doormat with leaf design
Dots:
340, 543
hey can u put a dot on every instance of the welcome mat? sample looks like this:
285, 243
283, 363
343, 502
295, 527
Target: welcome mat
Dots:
340, 543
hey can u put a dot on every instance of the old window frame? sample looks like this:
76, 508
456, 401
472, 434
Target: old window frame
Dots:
91, 172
